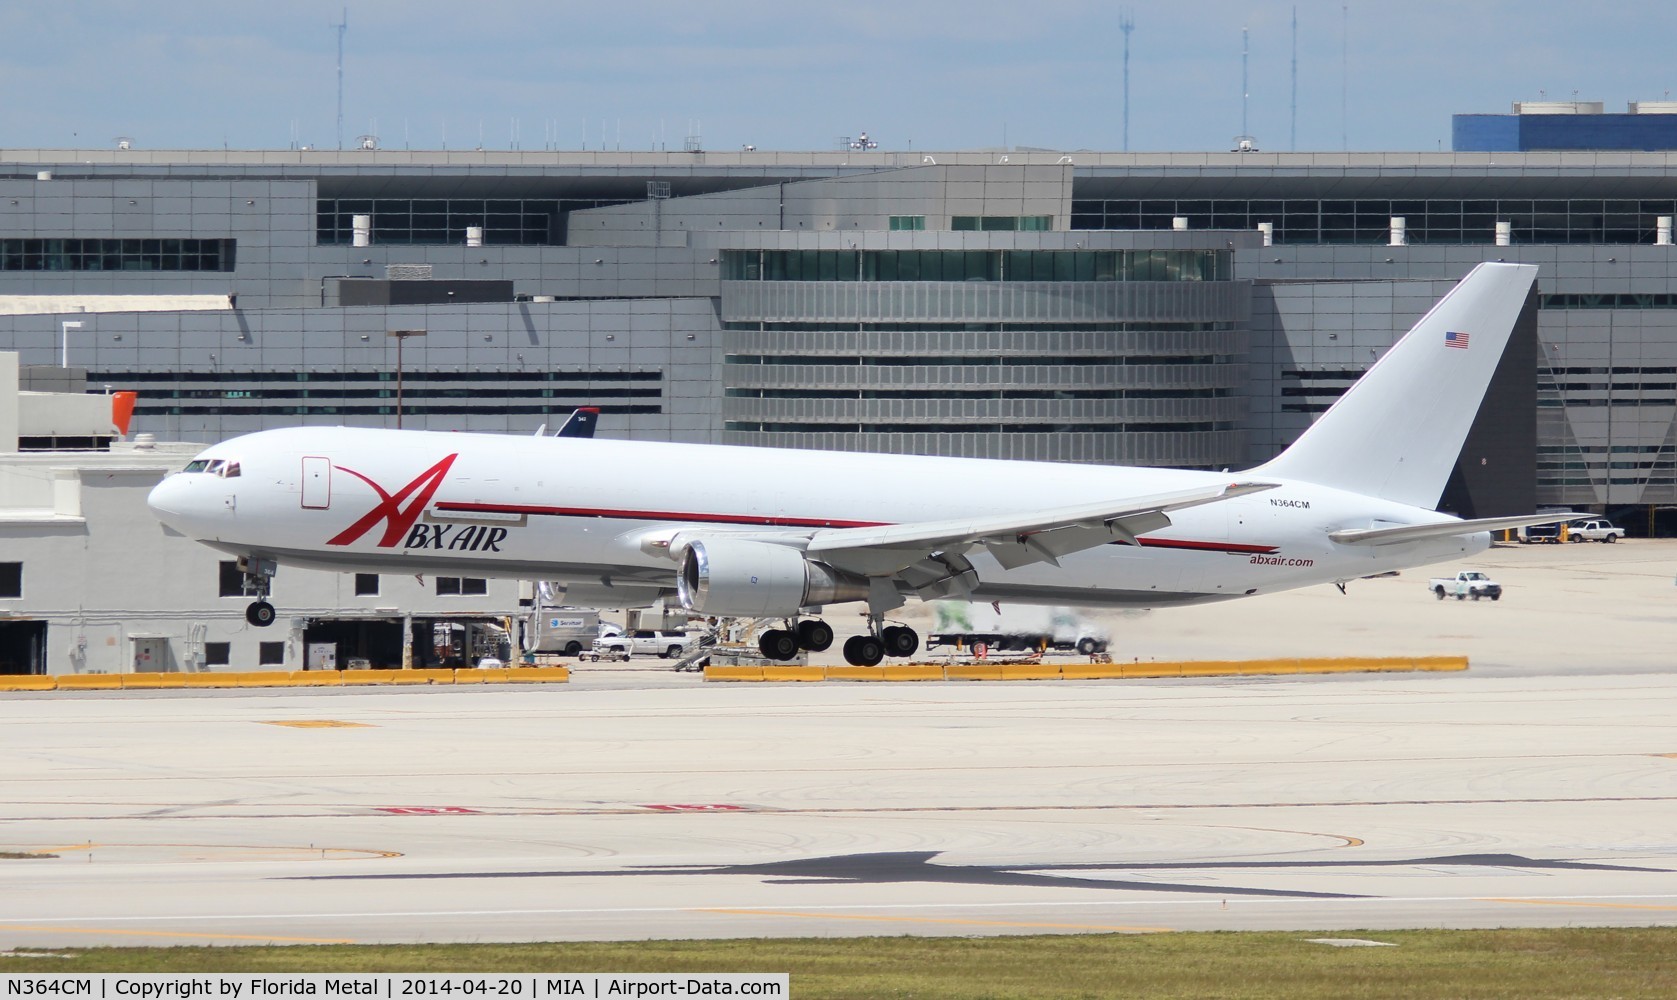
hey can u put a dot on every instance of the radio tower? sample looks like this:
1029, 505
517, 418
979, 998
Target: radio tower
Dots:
342, 26
1293, 128
1126, 24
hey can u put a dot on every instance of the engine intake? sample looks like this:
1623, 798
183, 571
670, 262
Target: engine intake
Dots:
721, 576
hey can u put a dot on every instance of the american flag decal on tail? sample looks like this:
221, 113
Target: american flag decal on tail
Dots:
1453, 338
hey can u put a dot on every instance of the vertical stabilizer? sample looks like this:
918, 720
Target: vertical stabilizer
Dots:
1397, 431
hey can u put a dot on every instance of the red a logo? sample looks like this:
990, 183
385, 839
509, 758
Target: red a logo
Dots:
397, 518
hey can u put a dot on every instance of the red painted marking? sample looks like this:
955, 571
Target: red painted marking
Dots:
1239, 548
654, 515
767, 520
428, 810
697, 807
397, 519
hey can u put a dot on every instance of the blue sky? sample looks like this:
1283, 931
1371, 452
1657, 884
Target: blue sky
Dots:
794, 74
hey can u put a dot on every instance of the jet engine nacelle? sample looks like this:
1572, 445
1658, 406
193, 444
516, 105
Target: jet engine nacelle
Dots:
721, 576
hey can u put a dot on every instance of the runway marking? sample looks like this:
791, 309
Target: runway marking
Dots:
177, 934
1567, 902
642, 810
945, 920
316, 724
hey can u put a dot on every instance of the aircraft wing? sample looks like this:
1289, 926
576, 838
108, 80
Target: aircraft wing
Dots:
1412, 532
1013, 539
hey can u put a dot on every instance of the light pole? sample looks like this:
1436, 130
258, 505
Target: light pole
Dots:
65, 326
401, 337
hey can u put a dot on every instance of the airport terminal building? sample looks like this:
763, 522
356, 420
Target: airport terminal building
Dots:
1190, 310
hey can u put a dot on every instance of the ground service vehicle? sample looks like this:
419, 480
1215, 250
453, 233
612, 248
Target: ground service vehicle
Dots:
1594, 530
1014, 627
647, 642
1467, 583
741, 532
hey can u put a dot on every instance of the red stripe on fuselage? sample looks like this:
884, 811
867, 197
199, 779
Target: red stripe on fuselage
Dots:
1238, 548
771, 521
764, 520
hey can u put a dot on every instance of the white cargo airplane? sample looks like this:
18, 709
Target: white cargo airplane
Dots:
736, 531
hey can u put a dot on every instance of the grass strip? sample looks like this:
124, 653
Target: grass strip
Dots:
1526, 963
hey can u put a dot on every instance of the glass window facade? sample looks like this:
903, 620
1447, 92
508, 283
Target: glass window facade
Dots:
1368, 221
977, 265
550, 394
443, 221
1001, 223
914, 223
115, 255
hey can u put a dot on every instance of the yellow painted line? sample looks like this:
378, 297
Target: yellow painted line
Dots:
176, 934
66, 847
316, 724
946, 920
1568, 902
1673, 756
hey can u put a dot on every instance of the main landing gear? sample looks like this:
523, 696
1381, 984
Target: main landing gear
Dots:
815, 635
812, 634
258, 582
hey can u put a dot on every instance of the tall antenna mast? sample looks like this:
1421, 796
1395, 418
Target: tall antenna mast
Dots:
1126, 24
1245, 91
1344, 73
342, 26
1293, 128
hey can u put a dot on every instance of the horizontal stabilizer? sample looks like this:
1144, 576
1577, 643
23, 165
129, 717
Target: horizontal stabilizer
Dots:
1443, 529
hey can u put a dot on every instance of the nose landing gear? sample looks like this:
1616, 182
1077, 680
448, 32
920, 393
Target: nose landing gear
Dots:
258, 582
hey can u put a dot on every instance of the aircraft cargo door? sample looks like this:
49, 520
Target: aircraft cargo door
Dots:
317, 482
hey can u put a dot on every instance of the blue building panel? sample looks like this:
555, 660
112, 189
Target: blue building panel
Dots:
1530, 133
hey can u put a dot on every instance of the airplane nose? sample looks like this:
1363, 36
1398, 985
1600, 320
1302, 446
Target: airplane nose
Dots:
170, 500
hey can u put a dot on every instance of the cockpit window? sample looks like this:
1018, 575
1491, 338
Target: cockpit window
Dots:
215, 466
196, 465
230, 470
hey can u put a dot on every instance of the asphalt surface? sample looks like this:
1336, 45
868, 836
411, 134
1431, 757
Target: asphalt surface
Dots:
1538, 789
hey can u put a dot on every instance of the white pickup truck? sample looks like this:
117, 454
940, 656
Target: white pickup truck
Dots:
645, 641
1594, 530
1467, 583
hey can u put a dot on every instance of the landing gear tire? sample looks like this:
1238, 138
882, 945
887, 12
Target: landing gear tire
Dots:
863, 651
1086, 646
778, 644
814, 635
260, 613
899, 640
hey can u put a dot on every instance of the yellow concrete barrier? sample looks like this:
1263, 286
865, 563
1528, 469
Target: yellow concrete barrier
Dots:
913, 672
316, 678
849, 672
152, 681
973, 672
1441, 663
427, 675
259, 678
89, 682
468, 677
28, 682
794, 673
493, 675
1260, 668
1030, 671
1091, 671
366, 676
733, 673
525, 675
1152, 669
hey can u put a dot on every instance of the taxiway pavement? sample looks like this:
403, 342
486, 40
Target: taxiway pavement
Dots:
1539, 788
